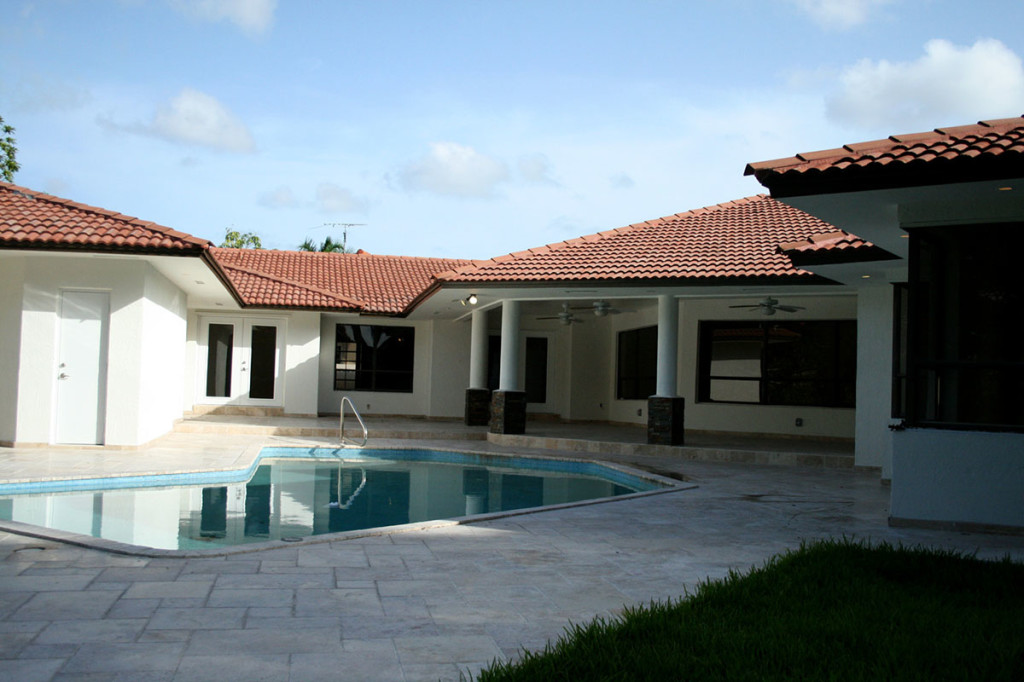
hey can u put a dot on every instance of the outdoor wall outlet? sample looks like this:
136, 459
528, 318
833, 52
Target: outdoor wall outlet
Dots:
639, 412
799, 421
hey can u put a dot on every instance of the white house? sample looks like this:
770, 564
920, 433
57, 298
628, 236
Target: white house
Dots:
940, 356
766, 315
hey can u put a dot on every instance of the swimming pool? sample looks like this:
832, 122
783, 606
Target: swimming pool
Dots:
294, 493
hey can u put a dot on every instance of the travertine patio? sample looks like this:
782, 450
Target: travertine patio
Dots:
420, 605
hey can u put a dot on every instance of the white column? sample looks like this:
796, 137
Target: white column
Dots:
478, 351
668, 346
509, 380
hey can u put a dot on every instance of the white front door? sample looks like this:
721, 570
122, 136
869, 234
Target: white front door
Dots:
241, 361
82, 367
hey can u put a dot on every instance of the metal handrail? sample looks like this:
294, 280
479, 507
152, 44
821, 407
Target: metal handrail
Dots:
341, 423
352, 498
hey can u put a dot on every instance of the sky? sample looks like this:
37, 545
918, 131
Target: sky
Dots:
472, 128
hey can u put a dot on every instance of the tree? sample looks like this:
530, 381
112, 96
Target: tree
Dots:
233, 239
328, 246
8, 166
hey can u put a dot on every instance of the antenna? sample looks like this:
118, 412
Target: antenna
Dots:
344, 232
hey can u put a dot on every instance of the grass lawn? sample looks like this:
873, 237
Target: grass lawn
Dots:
833, 610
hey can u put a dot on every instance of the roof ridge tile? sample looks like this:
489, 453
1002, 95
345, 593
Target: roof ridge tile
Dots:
290, 282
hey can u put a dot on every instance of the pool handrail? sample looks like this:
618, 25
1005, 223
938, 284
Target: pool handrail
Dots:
341, 423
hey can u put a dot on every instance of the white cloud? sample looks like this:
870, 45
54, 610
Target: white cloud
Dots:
839, 14
331, 198
252, 16
948, 84
455, 170
536, 170
198, 118
282, 197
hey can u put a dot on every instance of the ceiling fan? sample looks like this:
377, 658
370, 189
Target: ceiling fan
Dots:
769, 305
602, 309
565, 317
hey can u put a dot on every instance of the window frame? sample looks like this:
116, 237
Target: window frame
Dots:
365, 360
841, 384
640, 379
941, 285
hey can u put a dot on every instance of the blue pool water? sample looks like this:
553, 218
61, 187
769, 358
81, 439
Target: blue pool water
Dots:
297, 492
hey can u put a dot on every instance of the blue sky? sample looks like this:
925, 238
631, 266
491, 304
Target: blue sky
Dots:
472, 128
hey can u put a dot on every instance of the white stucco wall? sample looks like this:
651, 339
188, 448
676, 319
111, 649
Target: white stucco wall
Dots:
449, 368
974, 477
162, 356
591, 363
301, 360
12, 272
874, 377
144, 335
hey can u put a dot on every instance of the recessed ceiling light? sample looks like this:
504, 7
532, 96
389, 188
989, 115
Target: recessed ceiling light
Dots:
865, 276
1005, 189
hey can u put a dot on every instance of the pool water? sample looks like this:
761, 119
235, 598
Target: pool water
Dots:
293, 493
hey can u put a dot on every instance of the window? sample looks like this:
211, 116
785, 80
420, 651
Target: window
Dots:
373, 358
901, 320
779, 363
965, 357
636, 372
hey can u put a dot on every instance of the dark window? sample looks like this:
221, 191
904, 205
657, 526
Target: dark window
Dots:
637, 367
779, 363
536, 370
900, 324
965, 358
373, 358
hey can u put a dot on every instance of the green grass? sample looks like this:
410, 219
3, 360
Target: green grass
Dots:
834, 610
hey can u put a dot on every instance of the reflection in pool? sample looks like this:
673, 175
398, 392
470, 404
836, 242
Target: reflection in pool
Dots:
291, 494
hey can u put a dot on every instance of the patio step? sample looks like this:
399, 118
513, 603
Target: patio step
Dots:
298, 427
700, 453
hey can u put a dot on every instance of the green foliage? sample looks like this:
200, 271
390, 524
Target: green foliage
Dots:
233, 239
328, 246
8, 151
834, 610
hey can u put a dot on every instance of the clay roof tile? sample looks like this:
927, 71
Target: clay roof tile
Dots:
30, 219
729, 240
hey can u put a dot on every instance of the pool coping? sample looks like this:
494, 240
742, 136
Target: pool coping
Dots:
669, 485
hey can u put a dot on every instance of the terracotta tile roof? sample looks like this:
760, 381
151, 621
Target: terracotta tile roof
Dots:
334, 281
726, 242
833, 247
825, 242
34, 220
986, 150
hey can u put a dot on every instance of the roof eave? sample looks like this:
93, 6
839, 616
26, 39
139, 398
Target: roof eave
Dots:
794, 183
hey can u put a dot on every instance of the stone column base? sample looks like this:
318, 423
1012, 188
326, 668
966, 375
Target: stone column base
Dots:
508, 412
478, 406
665, 420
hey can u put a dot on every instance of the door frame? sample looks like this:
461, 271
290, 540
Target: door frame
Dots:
241, 352
103, 379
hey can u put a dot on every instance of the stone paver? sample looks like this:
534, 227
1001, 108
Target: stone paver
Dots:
422, 605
